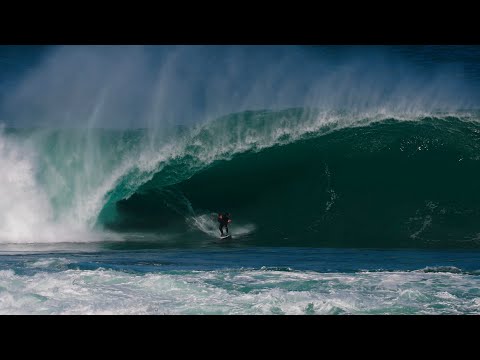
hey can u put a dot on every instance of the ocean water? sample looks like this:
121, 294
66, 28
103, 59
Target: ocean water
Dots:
351, 174
237, 279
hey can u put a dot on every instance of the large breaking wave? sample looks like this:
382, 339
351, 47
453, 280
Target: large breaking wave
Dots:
298, 177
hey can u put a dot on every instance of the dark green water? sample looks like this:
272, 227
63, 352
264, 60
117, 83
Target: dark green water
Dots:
388, 184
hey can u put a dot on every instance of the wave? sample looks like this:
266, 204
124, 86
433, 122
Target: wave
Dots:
386, 183
298, 177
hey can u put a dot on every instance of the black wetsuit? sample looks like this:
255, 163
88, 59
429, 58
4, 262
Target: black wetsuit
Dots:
223, 223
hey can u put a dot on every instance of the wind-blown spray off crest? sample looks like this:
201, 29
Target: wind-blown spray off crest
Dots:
150, 86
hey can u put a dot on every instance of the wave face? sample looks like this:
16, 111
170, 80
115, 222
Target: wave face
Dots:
297, 177
383, 183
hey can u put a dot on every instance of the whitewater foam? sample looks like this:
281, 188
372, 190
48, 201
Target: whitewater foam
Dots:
27, 214
236, 292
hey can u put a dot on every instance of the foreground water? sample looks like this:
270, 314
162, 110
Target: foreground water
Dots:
231, 279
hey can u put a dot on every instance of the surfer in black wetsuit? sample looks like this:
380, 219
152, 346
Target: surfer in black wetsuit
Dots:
224, 220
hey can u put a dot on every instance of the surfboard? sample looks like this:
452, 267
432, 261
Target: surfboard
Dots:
225, 236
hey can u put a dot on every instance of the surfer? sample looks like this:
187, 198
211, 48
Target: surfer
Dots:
224, 220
